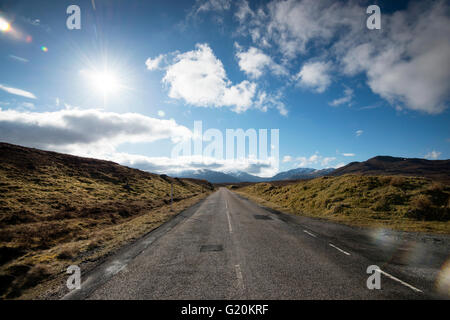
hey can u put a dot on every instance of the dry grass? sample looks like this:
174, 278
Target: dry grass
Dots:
56, 210
403, 203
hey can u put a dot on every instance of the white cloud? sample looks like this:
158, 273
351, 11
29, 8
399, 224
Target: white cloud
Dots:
263, 168
409, 63
18, 92
161, 113
406, 62
292, 25
433, 155
265, 101
243, 11
287, 159
254, 61
213, 5
346, 99
315, 160
155, 63
348, 154
199, 78
17, 58
84, 131
359, 132
314, 75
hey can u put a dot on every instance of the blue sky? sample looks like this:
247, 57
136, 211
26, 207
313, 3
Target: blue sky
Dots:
130, 84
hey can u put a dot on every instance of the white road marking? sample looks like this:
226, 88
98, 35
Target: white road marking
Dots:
398, 280
239, 276
229, 221
339, 249
307, 232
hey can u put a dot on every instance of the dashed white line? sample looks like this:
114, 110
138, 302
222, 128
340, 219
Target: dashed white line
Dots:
398, 280
239, 276
339, 249
230, 229
309, 233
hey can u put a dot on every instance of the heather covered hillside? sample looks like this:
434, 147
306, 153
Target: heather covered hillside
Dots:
56, 209
406, 203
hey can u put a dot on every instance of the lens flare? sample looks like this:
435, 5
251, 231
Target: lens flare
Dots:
5, 26
443, 279
44, 48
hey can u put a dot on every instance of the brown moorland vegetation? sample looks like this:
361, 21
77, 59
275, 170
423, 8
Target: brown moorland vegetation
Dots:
403, 203
57, 210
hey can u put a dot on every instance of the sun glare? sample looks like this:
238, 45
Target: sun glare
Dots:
5, 26
105, 82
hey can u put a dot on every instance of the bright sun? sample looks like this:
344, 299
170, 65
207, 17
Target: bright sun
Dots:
5, 26
105, 82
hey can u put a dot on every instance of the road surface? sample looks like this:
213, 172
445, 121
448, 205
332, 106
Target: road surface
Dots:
228, 247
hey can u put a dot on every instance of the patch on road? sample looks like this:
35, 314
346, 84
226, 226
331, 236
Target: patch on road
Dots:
262, 217
211, 248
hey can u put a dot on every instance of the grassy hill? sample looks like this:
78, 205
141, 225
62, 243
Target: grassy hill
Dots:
57, 209
405, 203
438, 170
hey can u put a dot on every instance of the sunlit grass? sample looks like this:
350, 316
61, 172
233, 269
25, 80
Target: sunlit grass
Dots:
404, 203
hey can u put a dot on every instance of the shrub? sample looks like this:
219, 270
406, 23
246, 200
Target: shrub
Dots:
397, 181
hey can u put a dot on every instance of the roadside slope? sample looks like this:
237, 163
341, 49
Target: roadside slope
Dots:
57, 210
402, 203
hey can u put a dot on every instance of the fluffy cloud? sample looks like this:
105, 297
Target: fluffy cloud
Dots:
263, 168
155, 63
409, 64
213, 5
346, 99
287, 159
18, 92
97, 134
314, 160
433, 155
198, 78
254, 61
314, 75
292, 25
406, 62
84, 131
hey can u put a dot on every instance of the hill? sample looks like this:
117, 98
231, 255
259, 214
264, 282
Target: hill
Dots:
438, 170
406, 203
57, 210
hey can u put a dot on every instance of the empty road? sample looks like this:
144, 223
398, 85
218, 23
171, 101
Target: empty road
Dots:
227, 247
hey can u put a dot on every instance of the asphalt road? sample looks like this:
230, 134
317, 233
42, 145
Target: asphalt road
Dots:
227, 247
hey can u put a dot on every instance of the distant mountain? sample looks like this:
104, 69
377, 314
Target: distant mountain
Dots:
384, 165
241, 176
246, 177
301, 173
209, 175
